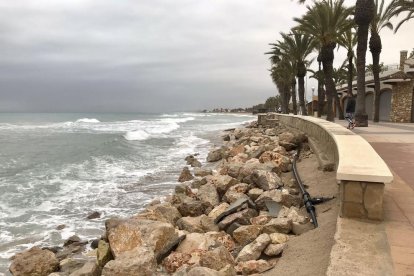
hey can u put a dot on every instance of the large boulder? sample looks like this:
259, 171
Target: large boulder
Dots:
198, 182
161, 212
235, 192
217, 258
90, 268
253, 267
266, 180
203, 242
192, 208
254, 193
208, 193
140, 261
127, 235
236, 150
222, 182
242, 217
273, 250
34, 262
247, 233
281, 161
202, 172
253, 250
279, 238
290, 141
218, 210
200, 224
175, 260
278, 225
215, 155
185, 175
103, 254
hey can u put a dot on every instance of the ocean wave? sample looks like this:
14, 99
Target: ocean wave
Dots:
87, 120
137, 135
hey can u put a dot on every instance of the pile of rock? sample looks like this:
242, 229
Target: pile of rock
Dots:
236, 219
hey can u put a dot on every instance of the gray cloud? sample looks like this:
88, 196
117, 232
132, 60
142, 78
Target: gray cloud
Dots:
108, 55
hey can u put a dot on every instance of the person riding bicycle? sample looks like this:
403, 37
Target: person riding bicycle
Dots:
350, 110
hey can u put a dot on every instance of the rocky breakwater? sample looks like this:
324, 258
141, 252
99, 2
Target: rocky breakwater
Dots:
234, 219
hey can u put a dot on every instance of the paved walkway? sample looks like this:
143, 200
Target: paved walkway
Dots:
395, 144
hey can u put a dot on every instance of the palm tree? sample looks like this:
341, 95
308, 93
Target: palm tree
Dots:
380, 21
282, 71
349, 41
319, 76
364, 13
326, 21
297, 47
401, 6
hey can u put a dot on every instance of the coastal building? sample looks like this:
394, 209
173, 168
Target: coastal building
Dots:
396, 93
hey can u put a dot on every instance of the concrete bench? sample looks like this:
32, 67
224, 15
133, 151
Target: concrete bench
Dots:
360, 171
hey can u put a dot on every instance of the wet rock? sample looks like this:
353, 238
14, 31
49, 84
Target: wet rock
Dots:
247, 233
94, 243
72, 239
279, 238
202, 172
273, 250
126, 235
60, 227
266, 180
94, 215
208, 193
139, 261
103, 254
279, 225
243, 217
215, 155
217, 258
185, 175
252, 267
34, 261
253, 250
218, 210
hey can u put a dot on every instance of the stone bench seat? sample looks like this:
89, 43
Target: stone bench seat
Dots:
360, 171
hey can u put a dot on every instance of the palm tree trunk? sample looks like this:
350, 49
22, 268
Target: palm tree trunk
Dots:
327, 62
350, 73
375, 48
364, 12
294, 103
321, 93
338, 106
301, 81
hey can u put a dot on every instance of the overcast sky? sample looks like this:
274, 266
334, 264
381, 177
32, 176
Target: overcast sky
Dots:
146, 55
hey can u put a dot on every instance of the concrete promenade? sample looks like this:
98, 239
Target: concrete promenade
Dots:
395, 144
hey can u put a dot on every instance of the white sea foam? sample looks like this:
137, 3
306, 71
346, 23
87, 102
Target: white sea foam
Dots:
87, 120
137, 135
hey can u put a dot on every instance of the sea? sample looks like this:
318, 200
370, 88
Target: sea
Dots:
56, 169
